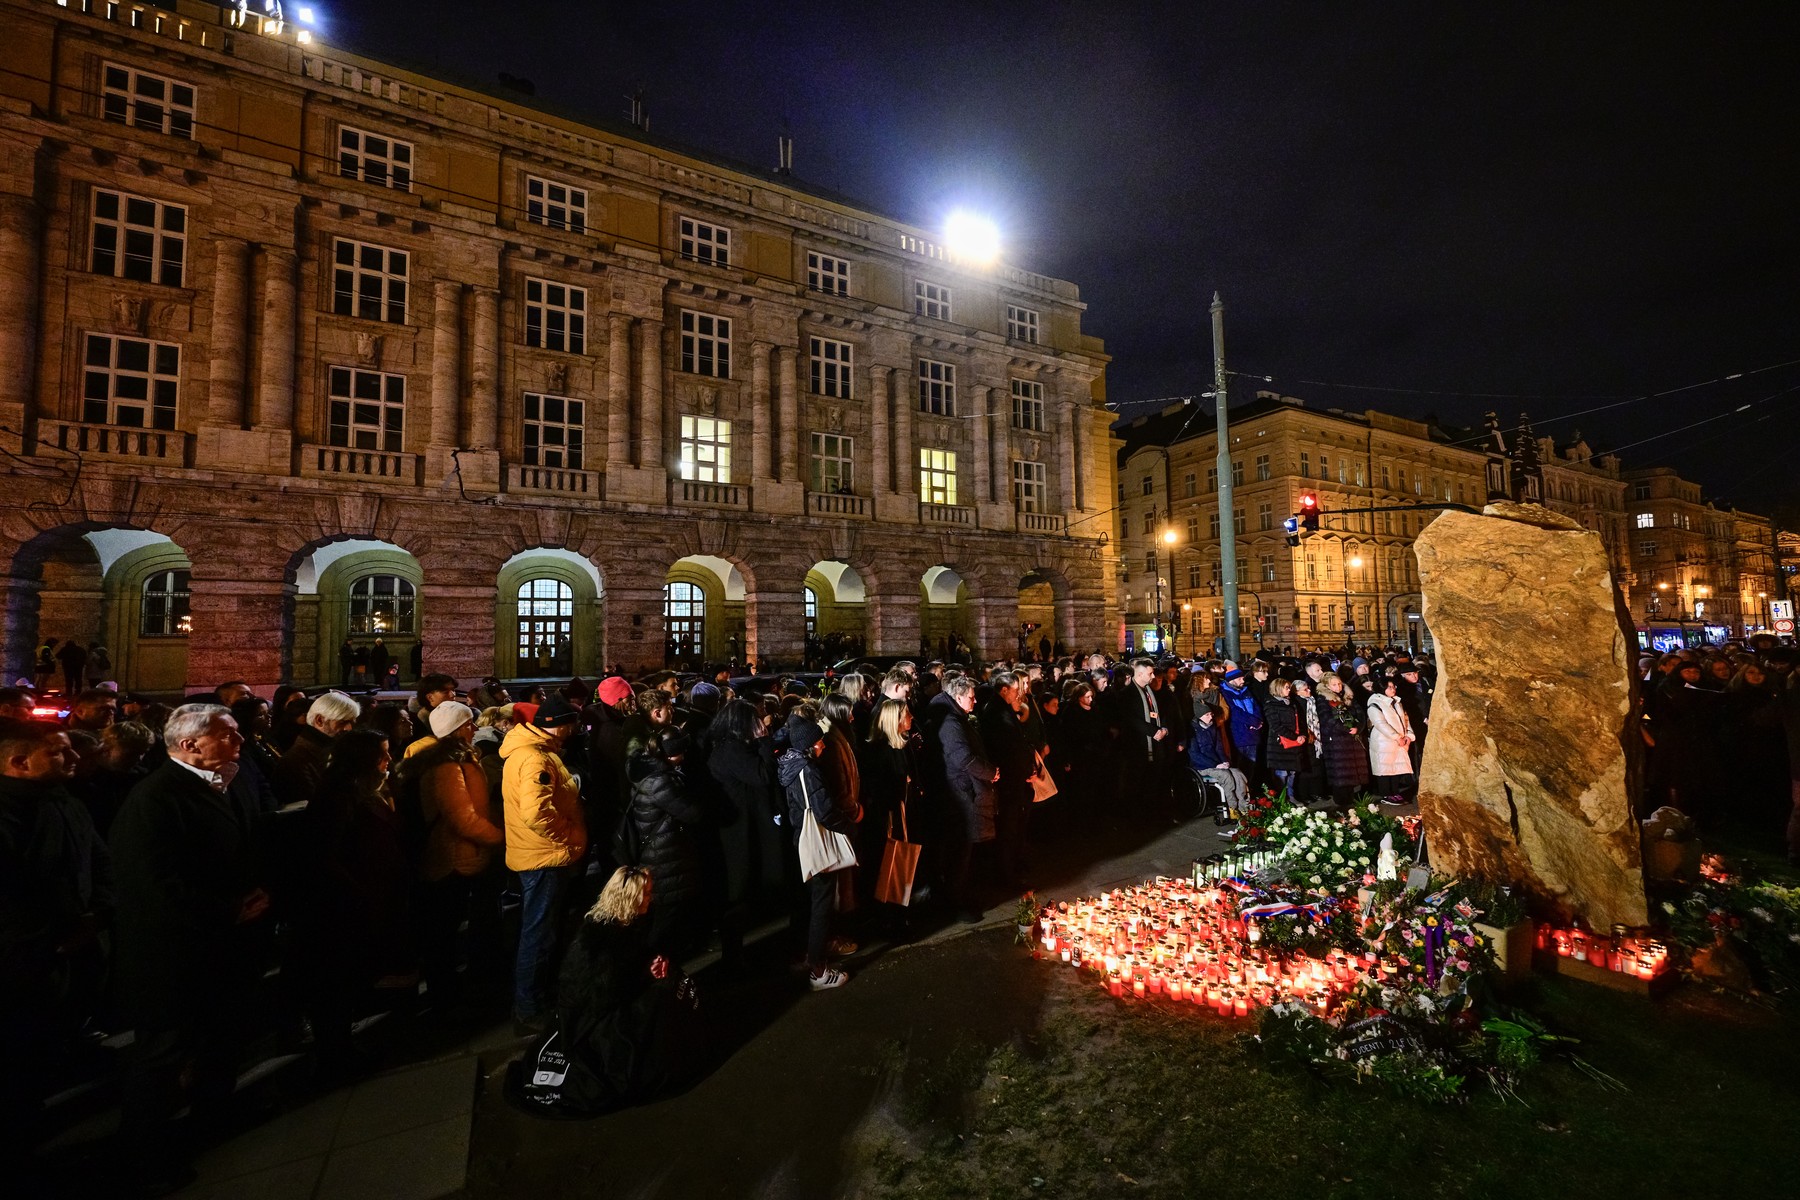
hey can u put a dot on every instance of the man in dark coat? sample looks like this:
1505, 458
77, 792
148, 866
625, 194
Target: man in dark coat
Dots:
55, 896
1142, 732
969, 778
1009, 747
186, 951
665, 816
73, 657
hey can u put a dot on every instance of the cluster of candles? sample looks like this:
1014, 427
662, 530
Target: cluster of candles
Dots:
1186, 941
1624, 951
1221, 867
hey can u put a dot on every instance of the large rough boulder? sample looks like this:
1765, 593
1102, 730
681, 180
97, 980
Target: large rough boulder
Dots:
1533, 757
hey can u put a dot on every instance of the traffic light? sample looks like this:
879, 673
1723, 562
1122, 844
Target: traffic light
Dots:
1309, 512
1291, 527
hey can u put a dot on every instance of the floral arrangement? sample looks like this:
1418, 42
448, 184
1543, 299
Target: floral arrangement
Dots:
1320, 851
1259, 811
1761, 922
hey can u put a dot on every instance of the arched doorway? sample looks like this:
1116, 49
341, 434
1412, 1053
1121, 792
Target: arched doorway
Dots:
357, 614
547, 617
836, 612
703, 612
124, 590
946, 621
1038, 628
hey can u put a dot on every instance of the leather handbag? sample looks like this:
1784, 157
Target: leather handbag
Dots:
899, 864
821, 850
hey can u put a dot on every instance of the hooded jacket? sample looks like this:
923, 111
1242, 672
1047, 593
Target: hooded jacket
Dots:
544, 822
665, 815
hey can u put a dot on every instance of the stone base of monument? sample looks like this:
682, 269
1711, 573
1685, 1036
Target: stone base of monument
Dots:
1552, 963
1512, 948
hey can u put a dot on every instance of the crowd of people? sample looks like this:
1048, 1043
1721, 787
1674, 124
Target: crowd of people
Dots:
566, 851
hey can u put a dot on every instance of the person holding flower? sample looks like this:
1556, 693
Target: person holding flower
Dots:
1341, 742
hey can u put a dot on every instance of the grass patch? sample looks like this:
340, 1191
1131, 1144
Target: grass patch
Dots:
1104, 1098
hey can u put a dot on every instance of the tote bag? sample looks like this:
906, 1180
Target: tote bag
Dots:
1043, 784
899, 863
820, 849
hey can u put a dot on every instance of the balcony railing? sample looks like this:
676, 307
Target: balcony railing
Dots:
945, 514
710, 495
115, 441
553, 481
1045, 523
834, 504
336, 462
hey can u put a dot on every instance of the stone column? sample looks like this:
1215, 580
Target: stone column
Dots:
446, 362
618, 391
881, 396
996, 621
1064, 433
240, 626
1095, 473
230, 332
984, 488
787, 380
456, 621
275, 373
21, 265
894, 620
633, 619
649, 349
760, 434
906, 459
482, 416
775, 626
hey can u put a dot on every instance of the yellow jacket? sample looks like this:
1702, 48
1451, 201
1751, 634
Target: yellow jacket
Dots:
544, 823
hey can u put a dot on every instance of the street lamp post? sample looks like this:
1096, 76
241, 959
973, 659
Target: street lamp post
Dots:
1355, 563
1168, 538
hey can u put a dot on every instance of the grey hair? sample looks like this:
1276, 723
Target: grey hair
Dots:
191, 721
960, 685
332, 706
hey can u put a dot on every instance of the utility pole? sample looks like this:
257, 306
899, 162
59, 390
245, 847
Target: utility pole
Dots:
1227, 522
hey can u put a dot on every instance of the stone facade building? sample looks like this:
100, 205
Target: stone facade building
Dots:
298, 351
1698, 564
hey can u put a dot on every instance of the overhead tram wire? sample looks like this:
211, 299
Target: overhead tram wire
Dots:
1742, 408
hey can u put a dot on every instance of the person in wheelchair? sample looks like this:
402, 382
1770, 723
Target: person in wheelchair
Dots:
1212, 765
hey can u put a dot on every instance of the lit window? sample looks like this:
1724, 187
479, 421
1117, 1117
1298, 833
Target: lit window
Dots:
130, 382
1262, 466
375, 158
809, 607
165, 609
382, 604
705, 450
684, 619
1030, 494
137, 238
705, 243
705, 344
827, 274
931, 300
1268, 568
937, 476
553, 431
1646, 520
937, 387
833, 466
557, 205
546, 612
367, 409
555, 316
161, 105
831, 368
369, 281
1028, 405
1021, 323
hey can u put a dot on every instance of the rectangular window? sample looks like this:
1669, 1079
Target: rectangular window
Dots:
1149, 562
937, 476
1268, 568
701, 242
1193, 530
1401, 472
1646, 520
1149, 522
368, 281
1360, 481
367, 409
705, 450
1212, 525
1262, 466
827, 274
1190, 485
1148, 486
130, 382
555, 316
1384, 476
1312, 617
557, 205
1212, 480
1237, 472
1305, 464
133, 97
931, 300
1030, 493
937, 387
1028, 405
1646, 549
705, 344
1640, 491
553, 431
375, 158
133, 237
831, 368
1265, 516
1193, 577
833, 468
1021, 323
1237, 520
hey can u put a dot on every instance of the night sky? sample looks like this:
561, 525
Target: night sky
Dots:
1566, 205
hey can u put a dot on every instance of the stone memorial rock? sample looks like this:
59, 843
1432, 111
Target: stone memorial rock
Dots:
1533, 755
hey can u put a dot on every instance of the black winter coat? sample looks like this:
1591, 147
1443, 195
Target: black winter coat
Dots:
53, 869
182, 862
968, 773
1346, 755
1281, 718
752, 825
666, 815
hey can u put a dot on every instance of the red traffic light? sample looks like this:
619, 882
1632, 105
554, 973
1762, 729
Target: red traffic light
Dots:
1309, 502
1309, 512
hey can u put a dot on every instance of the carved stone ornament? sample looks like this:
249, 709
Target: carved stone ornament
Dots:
368, 348
834, 418
131, 312
556, 377
706, 399
1034, 449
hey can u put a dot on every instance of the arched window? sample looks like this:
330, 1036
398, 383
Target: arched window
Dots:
684, 620
809, 600
382, 604
546, 628
165, 607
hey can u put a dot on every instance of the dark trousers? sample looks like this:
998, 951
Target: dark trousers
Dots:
953, 854
444, 904
1012, 821
821, 897
165, 1069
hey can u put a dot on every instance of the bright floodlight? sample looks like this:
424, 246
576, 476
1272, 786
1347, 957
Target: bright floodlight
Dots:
972, 238
306, 16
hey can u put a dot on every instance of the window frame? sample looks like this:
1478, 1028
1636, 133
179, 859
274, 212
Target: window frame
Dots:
574, 219
173, 603
937, 387
177, 119
387, 436
404, 607
705, 351
932, 300
158, 407
937, 476
833, 367
1028, 411
1031, 486
396, 169
546, 319
827, 273
122, 229
349, 301
1263, 471
570, 428
1022, 324
704, 449
1646, 520
703, 242
838, 450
